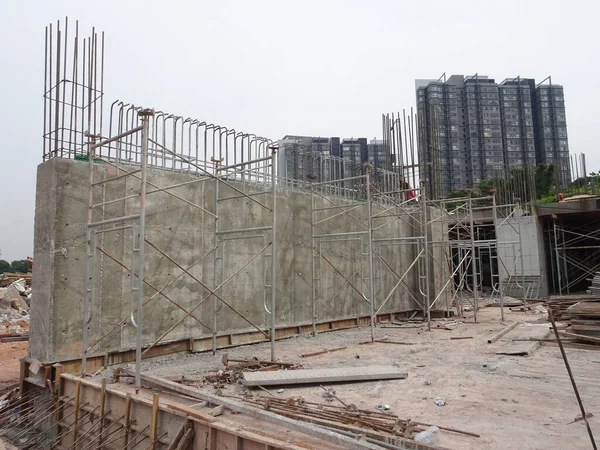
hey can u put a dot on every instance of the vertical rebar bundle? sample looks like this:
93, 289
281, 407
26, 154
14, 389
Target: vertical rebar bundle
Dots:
73, 85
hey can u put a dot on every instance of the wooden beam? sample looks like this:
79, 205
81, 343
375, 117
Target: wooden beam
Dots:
76, 412
503, 332
127, 418
102, 407
154, 422
582, 337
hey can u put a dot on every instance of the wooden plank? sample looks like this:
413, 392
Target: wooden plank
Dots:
76, 413
127, 418
267, 416
581, 337
154, 421
503, 332
311, 376
102, 408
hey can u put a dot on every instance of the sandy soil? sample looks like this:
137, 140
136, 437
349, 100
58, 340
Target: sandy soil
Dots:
514, 402
10, 352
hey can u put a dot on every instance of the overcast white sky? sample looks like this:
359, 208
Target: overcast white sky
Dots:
287, 67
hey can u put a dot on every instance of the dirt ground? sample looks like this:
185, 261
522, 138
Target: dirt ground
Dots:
10, 352
513, 402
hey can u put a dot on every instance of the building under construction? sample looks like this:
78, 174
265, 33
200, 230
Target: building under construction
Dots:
158, 235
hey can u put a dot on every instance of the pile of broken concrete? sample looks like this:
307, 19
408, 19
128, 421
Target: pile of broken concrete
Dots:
15, 300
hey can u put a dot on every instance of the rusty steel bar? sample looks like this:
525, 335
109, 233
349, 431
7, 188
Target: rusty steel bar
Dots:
564, 356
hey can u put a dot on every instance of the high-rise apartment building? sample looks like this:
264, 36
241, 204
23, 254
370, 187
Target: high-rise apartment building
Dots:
475, 128
517, 122
378, 154
328, 158
354, 149
551, 141
303, 157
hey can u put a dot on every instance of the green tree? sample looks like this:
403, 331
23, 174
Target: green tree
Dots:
21, 266
544, 179
4, 266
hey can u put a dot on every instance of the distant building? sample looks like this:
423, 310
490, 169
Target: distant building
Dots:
327, 158
378, 154
517, 122
475, 129
551, 140
354, 150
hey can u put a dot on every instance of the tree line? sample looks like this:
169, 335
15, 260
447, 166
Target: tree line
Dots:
21, 266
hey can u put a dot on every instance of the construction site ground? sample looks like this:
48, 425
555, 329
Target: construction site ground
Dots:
10, 352
513, 402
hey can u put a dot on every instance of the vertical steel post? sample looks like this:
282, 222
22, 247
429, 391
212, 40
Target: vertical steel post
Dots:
273, 249
312, 248
145, 114
500, 290
564, 259
557, 259
520, 216
370, 244
219, 251
424, 230
473, 260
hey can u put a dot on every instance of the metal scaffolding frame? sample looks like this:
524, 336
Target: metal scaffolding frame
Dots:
576, 253
465, 248
321, 235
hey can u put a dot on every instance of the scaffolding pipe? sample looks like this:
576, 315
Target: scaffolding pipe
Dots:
273, 249
370, 246
141, 242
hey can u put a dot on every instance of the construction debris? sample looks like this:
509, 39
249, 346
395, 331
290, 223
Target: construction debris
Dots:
329, 394
15, 299
380, 426
579, 418
439, 401
233, 372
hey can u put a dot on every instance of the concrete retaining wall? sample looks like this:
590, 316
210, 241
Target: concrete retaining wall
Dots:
186, 233
533, 263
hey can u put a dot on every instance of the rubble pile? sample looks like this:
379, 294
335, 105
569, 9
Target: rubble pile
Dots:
15, 301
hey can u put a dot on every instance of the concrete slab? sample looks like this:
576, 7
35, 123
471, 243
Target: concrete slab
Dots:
309, 376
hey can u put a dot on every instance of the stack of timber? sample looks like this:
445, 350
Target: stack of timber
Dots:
582, 314
584, 318
560, 304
